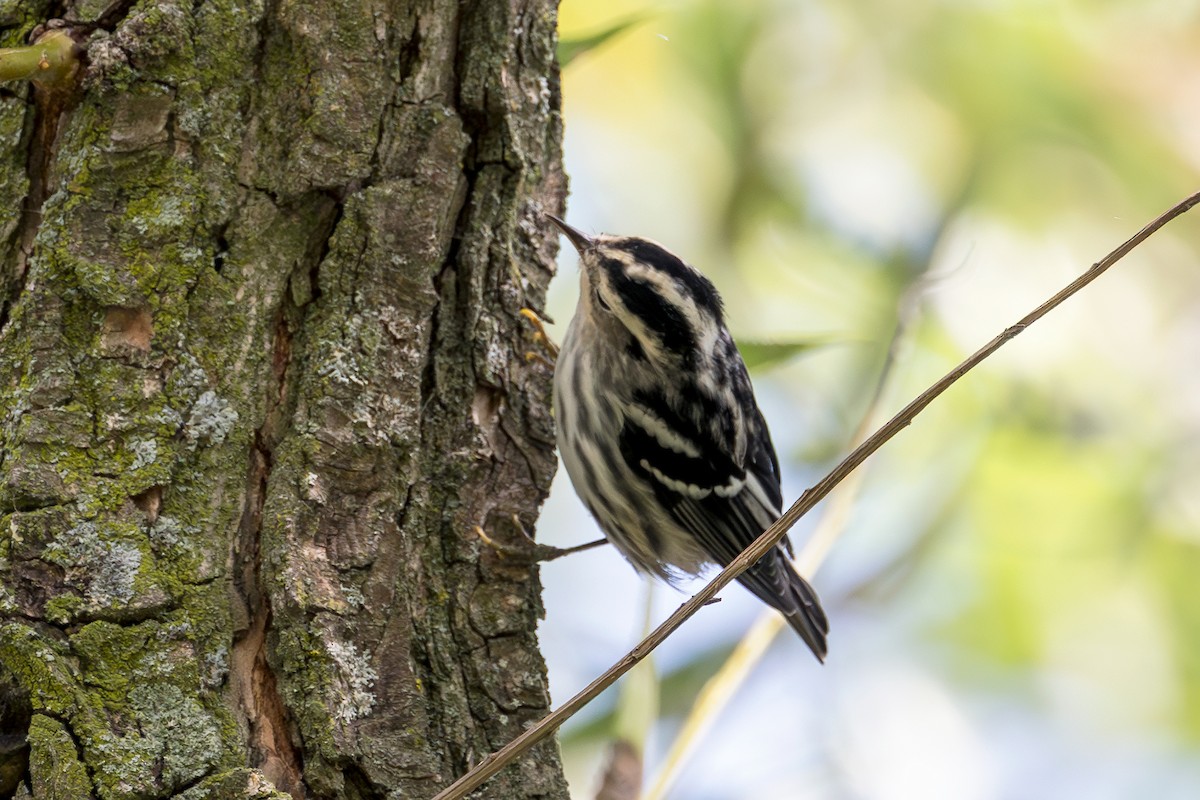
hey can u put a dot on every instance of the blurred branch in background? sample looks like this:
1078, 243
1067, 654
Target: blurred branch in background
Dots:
622, 779
637, 711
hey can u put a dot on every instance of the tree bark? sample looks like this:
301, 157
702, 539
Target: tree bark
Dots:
262, 375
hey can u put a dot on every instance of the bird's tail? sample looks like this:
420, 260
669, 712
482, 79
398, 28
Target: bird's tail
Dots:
776, 582
806, 615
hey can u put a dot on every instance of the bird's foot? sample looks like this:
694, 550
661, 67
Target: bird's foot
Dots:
526, 550
541, 338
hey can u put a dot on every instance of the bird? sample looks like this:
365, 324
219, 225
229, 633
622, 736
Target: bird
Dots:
659, 429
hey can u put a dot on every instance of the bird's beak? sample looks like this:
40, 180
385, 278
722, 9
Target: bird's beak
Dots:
578, 238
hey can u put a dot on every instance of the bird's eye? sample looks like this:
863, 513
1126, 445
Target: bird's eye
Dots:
603, 303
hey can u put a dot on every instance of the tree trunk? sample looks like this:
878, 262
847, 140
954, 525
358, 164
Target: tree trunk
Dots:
263, 374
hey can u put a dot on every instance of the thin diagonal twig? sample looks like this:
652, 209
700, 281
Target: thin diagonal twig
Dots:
485, 769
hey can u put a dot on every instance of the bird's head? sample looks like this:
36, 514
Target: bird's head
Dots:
668, 309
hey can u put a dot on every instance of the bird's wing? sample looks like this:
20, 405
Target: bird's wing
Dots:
724, 505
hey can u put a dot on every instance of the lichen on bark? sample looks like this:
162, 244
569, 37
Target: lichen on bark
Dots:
262, 378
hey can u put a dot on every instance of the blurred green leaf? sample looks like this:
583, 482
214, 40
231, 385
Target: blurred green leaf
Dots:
762, 355
571, 49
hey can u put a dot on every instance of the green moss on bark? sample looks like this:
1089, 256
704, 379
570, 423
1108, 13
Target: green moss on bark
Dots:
54, 766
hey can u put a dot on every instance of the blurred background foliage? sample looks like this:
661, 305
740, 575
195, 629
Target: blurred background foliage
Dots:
1015, 599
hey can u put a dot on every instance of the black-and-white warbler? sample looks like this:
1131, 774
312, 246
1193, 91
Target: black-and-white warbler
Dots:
659, 429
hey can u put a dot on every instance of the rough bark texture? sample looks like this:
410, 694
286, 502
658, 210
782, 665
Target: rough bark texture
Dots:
261, 376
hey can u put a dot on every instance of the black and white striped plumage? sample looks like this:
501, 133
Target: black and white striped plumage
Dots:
659, 429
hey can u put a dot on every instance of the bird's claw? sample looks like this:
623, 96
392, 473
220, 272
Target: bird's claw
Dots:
526, 550
540, 337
